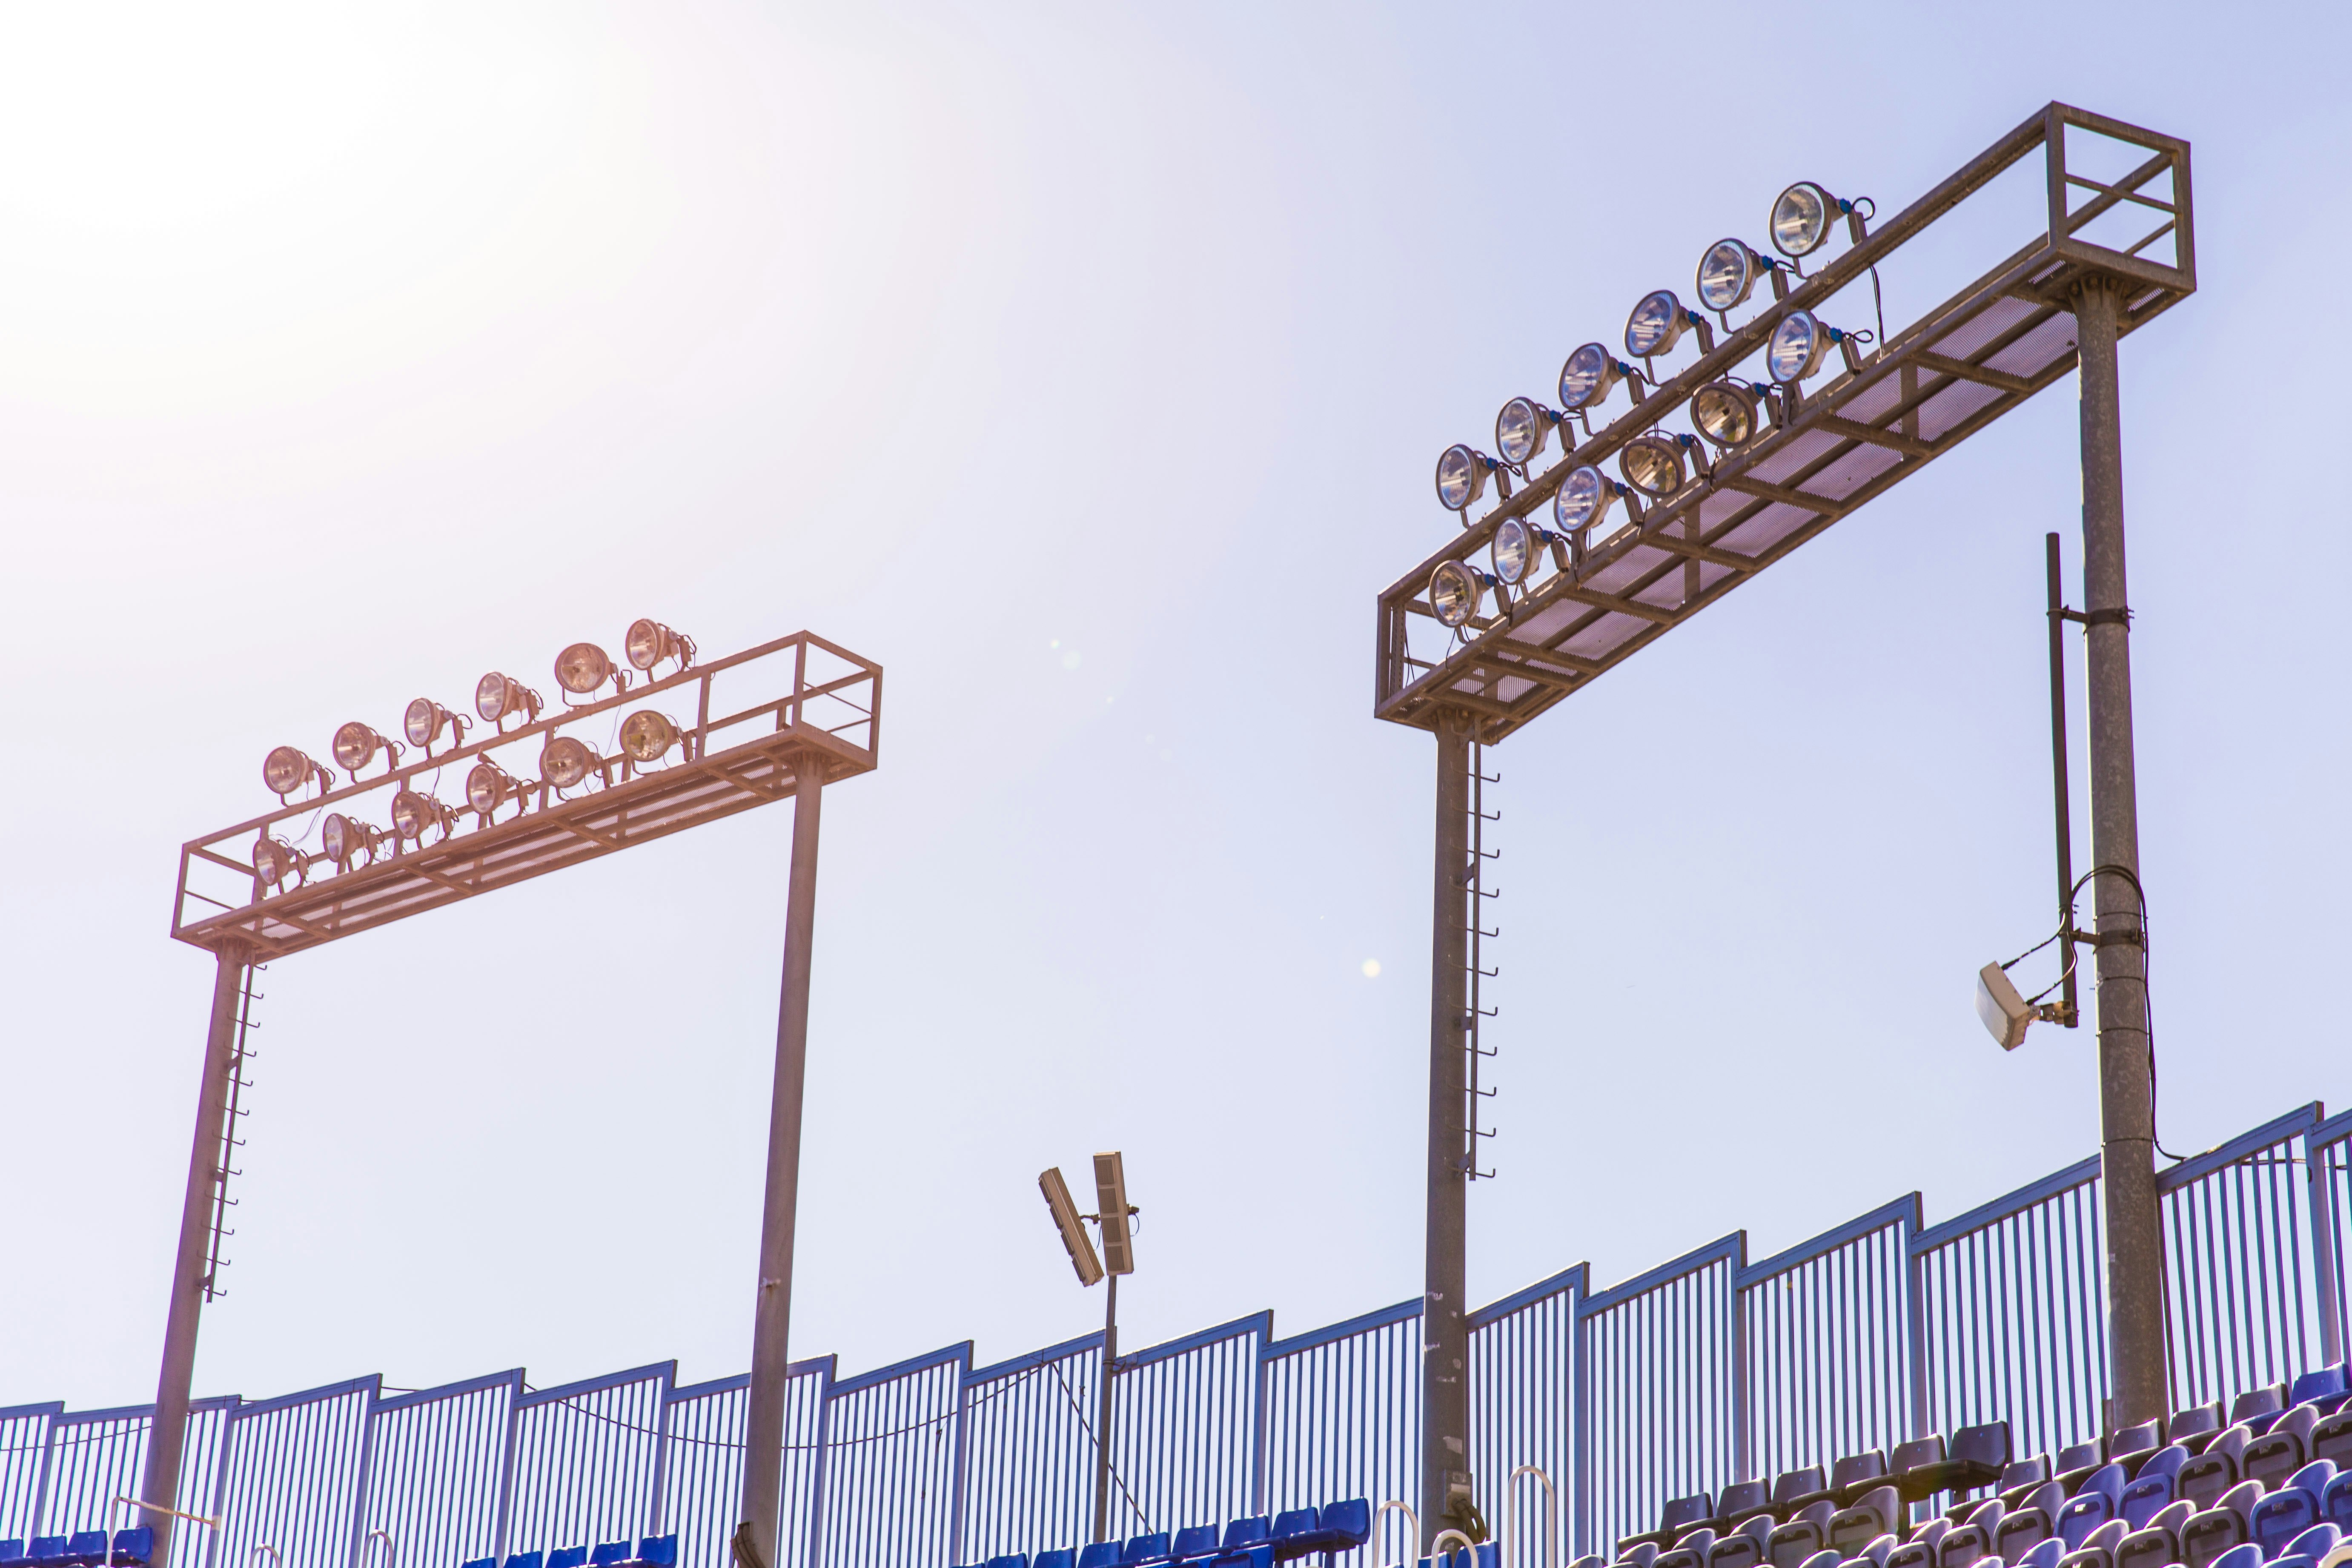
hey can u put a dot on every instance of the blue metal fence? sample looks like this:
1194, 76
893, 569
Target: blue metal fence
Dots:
1702, 1370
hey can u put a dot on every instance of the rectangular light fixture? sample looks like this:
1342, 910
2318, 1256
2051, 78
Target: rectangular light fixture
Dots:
1071, 1224
1111, 1194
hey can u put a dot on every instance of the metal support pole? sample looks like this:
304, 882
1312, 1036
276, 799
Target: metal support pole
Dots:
1445, 1341
763, 1435
2060, 789
2134, 1231
160, 1485
1102, 1426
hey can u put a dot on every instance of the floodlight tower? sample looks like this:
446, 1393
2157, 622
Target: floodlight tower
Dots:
256, 891
1795, 422
1112, 1213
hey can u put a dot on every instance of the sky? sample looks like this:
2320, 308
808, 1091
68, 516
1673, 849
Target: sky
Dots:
1085, 365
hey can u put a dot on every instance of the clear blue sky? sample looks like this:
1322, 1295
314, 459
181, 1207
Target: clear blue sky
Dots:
1085, 365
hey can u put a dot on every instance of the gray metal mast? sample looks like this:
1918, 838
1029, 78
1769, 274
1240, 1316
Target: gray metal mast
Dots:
1445, 1338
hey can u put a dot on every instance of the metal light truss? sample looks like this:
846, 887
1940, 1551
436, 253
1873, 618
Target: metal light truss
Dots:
817, 704
1919, 394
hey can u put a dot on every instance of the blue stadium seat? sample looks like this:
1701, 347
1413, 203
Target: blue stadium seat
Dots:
1870, 1554
2291, 1509
2257, 1407
527, 1559
1340, 1527
1855, 1474
46, 1552
657, 1552
2098, 1500
2283, 1450
2335, 1502
1101, 1554
1637, 1552
2044, 1553
2152, 1487
1256, 1555
1964, 1545
2246, 1555
1740, 1502
1193, 1540
2327, 1388
2214, 1471
2133, 1442
568, 1557
2195, 1427
2205, 1538
1251, 1531
609, 1555
1689, 1552
1825, 1558
1744, 1547
1010, 1560
133, 1548
12, 1552
481, 1563
1806, 1535
1060, 1557
2034, 1519
1799, 1489
1142, 1549
1875, 1512
2098, 1549
1919, 1551
1909, 1458
2157, 1542
87, 1549
2315, 1543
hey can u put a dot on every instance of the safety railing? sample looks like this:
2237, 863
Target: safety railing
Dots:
1705, 1370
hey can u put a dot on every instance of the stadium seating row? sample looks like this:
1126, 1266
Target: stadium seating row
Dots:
1256, 1543
653, 1551
88, 1549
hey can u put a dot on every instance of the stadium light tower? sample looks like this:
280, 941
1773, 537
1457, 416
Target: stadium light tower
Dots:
797, 713
1112, 1213
1796, 416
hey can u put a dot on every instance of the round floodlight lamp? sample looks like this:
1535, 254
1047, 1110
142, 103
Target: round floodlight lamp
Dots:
276, 862
495, 696
1513, 551
1726, 412
649, 642
423, 721
413, 812
489, 786
1462, 476
1800, 219
1583, 499
346, 839
582, 669
286, 769
566, 762
1799, 344
1586, 379
647, 736
1521, 429
1657, 324
1455, 589
1728, 274
356, 745
1652, 465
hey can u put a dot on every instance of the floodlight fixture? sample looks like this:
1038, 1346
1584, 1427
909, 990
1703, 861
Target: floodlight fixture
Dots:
496, 697
489, 786
583, 667
1727, 275
567, 763
1517, 544
1521, 429
356, 745
274, 861
1590, 372
1802, 214
286, 769
1072, 1225
347, 838
1800, 342
647, 736
413, 812
1462, 474
1658, 323
1583, 499
1110, 1199
424, 720
2006, 1014
648, 642
1654, 463
1730, 413
1455, 590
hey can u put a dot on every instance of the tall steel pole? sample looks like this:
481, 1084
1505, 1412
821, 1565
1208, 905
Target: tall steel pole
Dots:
1445, 1341
1102, 1415
2127, 1101
763, 1438
160, 1484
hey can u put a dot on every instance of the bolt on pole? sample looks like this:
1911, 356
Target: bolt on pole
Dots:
2135, 1233
160, 1484
1445, 1341
763, 1438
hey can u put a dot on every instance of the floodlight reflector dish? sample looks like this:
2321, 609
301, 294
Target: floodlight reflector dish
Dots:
495, 696
2005, 1014
648, 642
1521, 428
1656, 325
1073, 1226
566, 762
489, 786
1725, 413
356, 745
286, 769
413, 812
1582, 498
1728, 274
1586, 379
424, 720
1652, 466
582, 669
1455, 590
1798, 344
346, 838
647, 736
1800, 219
1110, 1200
1462, 476
274, 861
1513, 550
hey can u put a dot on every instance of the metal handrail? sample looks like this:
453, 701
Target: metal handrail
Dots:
120, 1502
276, 1560
1412, 1519
389, 1548
1439, 1551
1551, 1558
